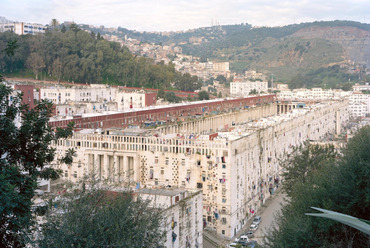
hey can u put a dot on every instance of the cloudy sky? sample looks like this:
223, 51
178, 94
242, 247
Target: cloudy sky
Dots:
174, 15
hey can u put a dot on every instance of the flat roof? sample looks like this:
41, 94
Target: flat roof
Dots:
164, 192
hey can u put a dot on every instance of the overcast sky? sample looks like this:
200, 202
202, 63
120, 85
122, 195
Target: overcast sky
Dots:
174, 15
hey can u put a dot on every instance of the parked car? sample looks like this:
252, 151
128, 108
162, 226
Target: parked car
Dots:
251, 244
257, 220
232, 245
249, 234
242, 238
253, 227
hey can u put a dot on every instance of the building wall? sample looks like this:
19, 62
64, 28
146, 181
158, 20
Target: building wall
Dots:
27, 91
312, 94
221, 66
359, 104
21, 28
236, 170
86, 94
150, 99
244, 88
183, 214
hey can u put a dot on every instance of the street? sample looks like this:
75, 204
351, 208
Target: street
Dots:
268, 216
267, 212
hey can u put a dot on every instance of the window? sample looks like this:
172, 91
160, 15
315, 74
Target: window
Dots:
223, 232
75, 174
65, 173
162, 171
156, 160
223, 220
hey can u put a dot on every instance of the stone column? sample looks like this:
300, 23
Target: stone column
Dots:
125, 169
115, 169
105, 166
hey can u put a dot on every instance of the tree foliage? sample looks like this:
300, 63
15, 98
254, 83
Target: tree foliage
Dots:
325, 77
25, 153
203, 95
171, 97
77, 56
92, 216
339, 184
303, 162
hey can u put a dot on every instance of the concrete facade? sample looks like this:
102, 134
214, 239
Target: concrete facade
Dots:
183, 214
312, 94
359, 104
244, 88
21, 28
236, 166
95, 93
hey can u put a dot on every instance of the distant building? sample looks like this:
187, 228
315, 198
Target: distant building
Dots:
27, 94
21, 28
312, 94
129, 100
221, 66
253, 75
359, 104
243, 88
361, 87
282, 87
95, 93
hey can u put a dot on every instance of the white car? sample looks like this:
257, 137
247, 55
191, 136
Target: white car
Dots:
242, 238
257, 220
232, 245
253, 227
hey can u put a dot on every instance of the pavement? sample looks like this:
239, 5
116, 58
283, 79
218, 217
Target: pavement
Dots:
267, 211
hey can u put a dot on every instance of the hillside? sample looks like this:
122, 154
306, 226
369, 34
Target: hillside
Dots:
282, 51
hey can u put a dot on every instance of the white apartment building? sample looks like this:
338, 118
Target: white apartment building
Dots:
21, 28
183, 215
95, 93
81, 108
312, 94
94, 99
221, 66
361, 87
129, 100
236, 168
253, 75
244, 88
359, 104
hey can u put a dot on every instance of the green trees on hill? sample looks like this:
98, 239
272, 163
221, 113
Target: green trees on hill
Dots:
325, 77
319, 177
78, 56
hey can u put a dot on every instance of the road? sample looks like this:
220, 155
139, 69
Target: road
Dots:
268, 216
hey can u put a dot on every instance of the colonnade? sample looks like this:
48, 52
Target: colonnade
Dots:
114, 166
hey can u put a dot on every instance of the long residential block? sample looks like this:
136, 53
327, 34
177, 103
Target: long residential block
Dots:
236, 166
